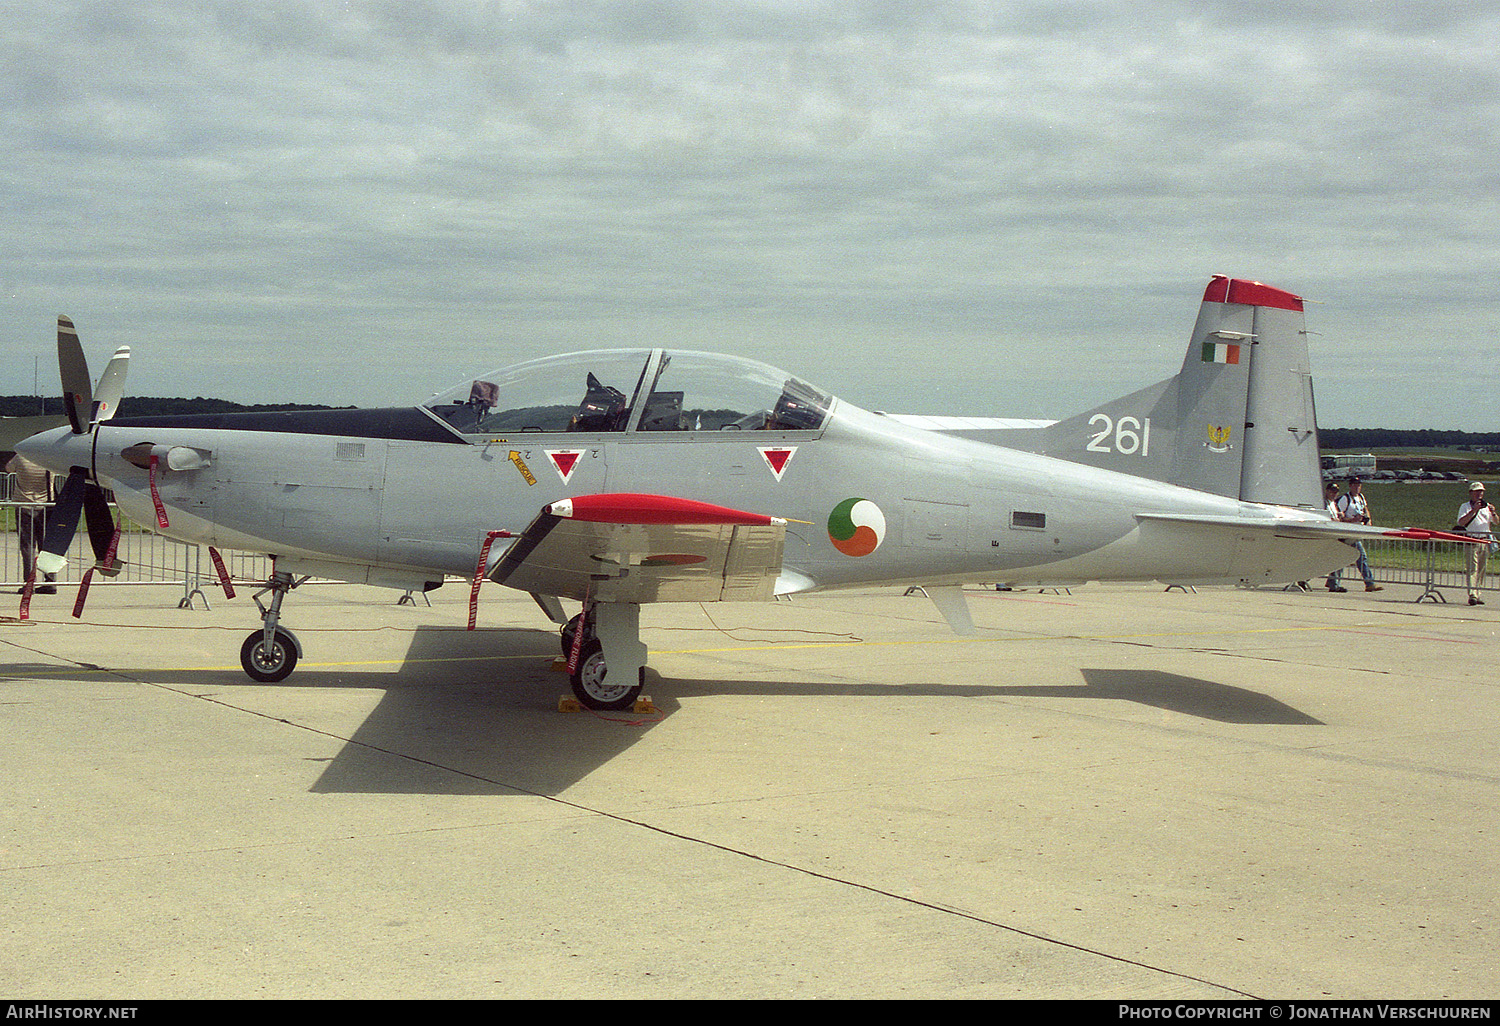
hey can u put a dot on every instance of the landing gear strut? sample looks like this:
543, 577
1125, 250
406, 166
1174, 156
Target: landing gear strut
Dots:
598, 683
271, 653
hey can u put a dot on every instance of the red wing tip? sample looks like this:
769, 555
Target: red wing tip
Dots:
1242, 291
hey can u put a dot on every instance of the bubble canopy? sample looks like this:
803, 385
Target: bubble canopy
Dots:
618, 390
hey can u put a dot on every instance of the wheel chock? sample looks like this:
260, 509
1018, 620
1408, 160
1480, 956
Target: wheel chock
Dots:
559, 665
569, 704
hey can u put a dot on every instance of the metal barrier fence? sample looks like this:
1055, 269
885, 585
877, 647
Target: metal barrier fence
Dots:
144, 557
1432, 565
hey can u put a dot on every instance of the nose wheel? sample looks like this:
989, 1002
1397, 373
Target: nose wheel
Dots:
269, 661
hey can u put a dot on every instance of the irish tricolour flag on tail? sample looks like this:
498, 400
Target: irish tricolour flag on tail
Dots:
1221, 352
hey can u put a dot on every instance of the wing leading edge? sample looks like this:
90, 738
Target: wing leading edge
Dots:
635, 548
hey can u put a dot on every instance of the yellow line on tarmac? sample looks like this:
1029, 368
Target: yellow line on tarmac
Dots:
307, 664
760, 646
979, 639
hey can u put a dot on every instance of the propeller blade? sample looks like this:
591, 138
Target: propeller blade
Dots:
101, 526
74, 370
62, 523
111, 385
80, 497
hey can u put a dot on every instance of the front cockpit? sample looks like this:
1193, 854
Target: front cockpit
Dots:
629, 390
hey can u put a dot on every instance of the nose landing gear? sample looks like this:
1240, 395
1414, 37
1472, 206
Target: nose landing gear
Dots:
271, 653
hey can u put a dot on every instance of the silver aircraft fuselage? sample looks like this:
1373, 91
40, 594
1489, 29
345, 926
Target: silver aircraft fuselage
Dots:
403, 497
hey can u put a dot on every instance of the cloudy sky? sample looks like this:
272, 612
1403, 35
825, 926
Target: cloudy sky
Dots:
983, 208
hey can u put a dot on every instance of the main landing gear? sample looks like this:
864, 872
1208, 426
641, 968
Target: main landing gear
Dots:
606, 659
607, 664
271, 653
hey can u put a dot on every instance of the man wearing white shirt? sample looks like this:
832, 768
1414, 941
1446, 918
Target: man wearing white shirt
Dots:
1477, 517
1354, 508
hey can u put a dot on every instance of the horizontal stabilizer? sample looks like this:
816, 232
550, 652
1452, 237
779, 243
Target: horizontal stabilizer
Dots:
1293, 527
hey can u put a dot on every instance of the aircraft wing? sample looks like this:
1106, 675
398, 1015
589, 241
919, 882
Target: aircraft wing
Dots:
635, 548
14, 429
1314, 528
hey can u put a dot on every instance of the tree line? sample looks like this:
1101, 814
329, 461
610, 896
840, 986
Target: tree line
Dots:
145, 406
1348, 439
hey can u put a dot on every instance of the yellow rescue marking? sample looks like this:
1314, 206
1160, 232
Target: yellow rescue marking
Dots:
515, 458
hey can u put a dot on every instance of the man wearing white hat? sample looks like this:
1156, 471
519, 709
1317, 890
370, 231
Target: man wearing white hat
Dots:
1477, 517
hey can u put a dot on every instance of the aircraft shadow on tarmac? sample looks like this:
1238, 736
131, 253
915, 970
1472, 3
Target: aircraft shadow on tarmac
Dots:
476, 712
1191, 696
1170, 692
498, 732
492, 728
463, 712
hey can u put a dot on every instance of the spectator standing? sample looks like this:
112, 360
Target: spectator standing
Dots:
34, 489
1354, 508
1477, 517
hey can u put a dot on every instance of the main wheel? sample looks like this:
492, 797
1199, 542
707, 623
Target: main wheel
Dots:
592, 686
268, 663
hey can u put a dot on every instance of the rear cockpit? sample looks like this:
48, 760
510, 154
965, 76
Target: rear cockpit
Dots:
627, 390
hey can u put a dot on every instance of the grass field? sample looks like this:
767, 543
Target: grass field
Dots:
1433, 506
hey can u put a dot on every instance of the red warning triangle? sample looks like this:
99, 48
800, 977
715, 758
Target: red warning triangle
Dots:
564, 460
778, 458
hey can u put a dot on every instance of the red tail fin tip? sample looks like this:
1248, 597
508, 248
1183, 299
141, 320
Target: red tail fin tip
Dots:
1223, 289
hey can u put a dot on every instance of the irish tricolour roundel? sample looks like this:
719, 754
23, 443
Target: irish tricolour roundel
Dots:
856, 527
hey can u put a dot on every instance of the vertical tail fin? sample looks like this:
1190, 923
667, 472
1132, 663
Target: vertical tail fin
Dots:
1237, 419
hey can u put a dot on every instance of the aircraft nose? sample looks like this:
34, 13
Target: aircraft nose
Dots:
59, 450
